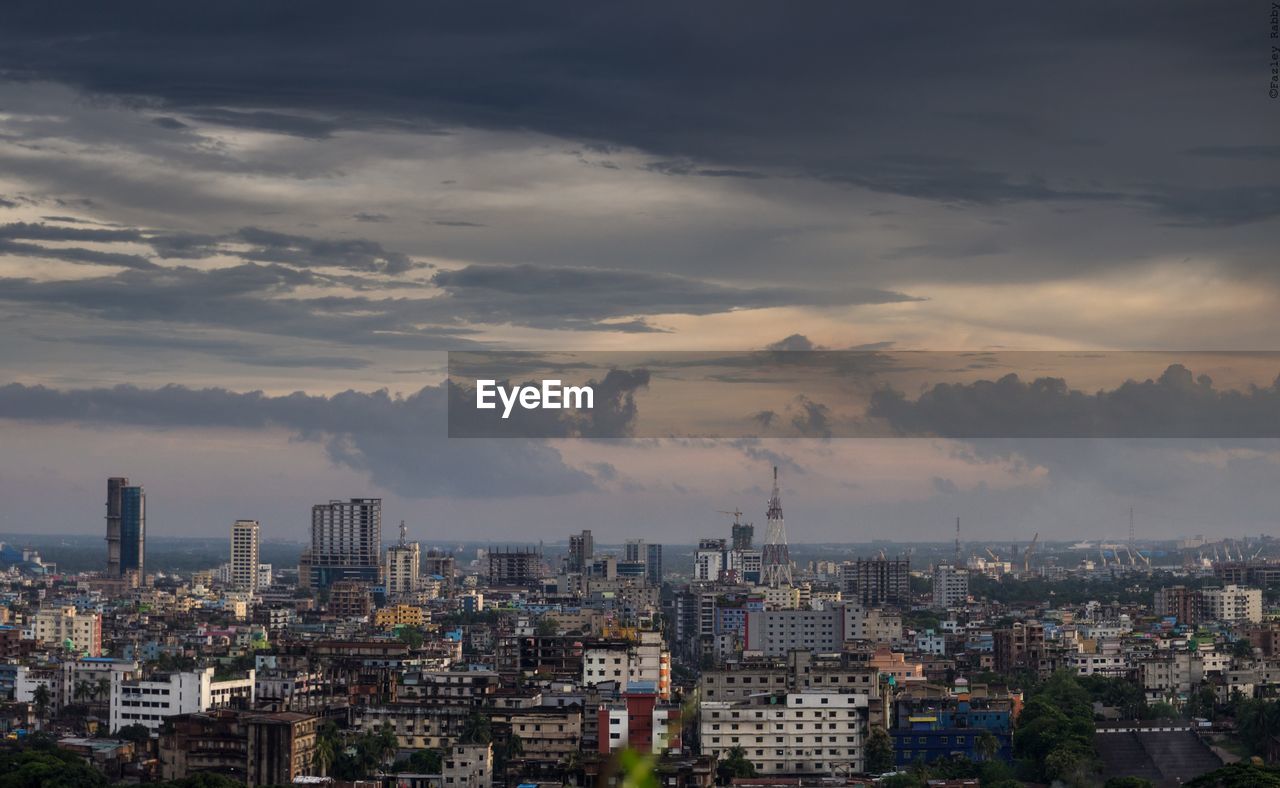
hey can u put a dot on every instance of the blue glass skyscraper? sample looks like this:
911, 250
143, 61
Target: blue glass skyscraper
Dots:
126, 528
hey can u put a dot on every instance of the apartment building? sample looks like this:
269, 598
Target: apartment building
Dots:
150, 701
807, 733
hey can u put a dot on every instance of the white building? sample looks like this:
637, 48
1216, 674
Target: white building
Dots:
950, 586
1231, 603
798, 733
468, 764
627, 663
402, 568
148, 702
707, 563
245, 535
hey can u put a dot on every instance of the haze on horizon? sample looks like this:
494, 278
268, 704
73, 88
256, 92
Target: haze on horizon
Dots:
326, 205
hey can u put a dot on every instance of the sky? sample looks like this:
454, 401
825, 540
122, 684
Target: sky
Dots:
237, 240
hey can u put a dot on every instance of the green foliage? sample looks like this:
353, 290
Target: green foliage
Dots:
1238, 775
1257, 721
1128, 782
735, 764
476, 730
1125, 695
44, 767
548, 626
1054, 736
879, 756
637, 770
202, 780
136, 733
412, 636
421, 762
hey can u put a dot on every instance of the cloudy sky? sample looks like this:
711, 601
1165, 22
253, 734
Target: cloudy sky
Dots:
236, 240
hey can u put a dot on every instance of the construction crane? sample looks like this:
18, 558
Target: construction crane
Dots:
1258, 553
735, 514
994, 557
1102, 554
1026, 555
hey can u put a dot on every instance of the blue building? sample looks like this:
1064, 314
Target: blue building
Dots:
126, 528
928, 728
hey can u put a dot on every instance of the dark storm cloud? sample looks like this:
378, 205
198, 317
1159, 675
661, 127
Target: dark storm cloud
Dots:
797, 89
397, 441
74, 255
562, 296
1175, 405
227, 349
355, 253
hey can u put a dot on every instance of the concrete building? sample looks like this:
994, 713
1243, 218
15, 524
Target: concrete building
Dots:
149, 702
644, 660
518, 568
245, 566
791, 734
66, 628
403, 566
582, 550
346, 542
641, 721
950, 586
877, 582
468, 764
255, 748
1231, 603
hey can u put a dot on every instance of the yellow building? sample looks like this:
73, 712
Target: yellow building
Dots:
398, 615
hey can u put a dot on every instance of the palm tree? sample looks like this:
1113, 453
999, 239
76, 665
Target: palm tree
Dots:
41, 698
83, 690
476, 730
987, 746
385, 744
328, 744
104, 689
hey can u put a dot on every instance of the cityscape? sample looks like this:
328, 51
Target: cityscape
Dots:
376, 662
517, 394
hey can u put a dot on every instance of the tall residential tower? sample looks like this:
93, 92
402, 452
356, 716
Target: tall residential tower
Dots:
245, 537
346, 542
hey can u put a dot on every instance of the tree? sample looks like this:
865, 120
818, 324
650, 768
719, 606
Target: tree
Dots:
879, 751
328, 745
1128, 782
421, 762
735, 764
104, 689
548, 626
136, 733
476, 730
1238, 775
34, 767
41, 698
987, 745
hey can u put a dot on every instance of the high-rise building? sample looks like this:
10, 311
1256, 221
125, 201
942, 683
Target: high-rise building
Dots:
743, 534
581, 551
403, 565
653, 564
126, 528
346, 541
876, 582
244, 555
950, 586
518, 568
437, 563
